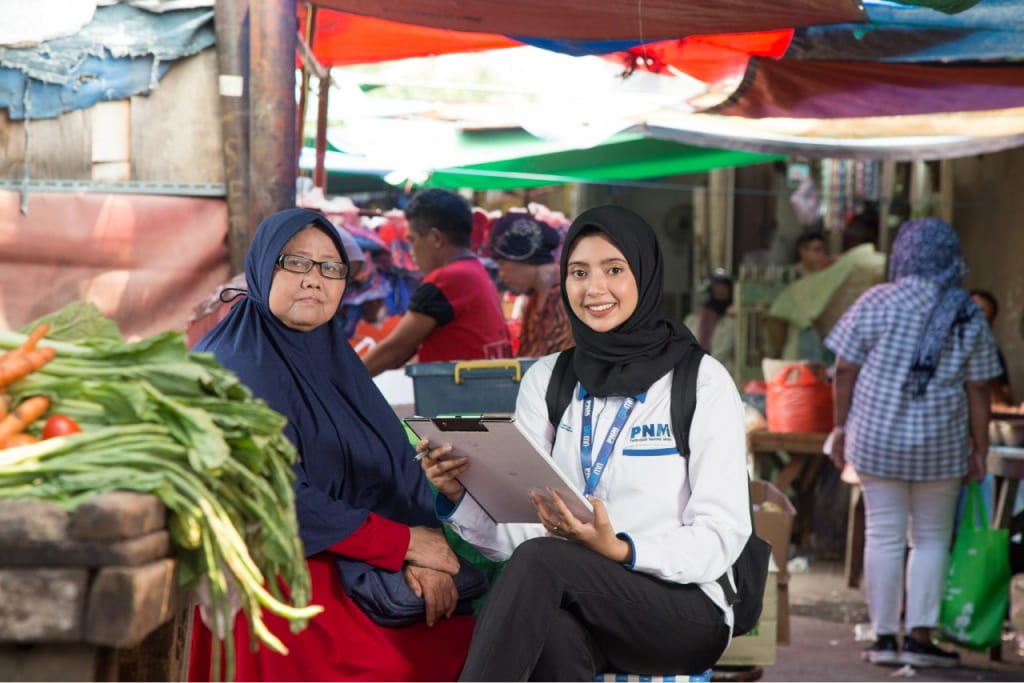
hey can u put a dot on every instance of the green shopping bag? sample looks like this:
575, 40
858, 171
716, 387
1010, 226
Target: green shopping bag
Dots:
978, 584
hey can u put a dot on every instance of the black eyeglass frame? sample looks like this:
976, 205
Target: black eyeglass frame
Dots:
318, 264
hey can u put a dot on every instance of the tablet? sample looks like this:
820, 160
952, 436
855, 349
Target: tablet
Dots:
504, 466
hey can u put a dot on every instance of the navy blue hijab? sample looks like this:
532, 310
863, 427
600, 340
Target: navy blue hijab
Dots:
354, 456
629, 359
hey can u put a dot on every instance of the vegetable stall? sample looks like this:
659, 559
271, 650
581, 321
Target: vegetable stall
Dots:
91, 422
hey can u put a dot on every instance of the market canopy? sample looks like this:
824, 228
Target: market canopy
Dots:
895, 77
622, 158
603, 20
512, 158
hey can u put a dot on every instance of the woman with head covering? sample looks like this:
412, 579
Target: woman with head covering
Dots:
714, 324
524, 249
362, 502
634, 591
913, 362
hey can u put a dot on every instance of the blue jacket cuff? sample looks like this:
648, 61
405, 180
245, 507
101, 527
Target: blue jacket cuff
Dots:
444, 508
632, 550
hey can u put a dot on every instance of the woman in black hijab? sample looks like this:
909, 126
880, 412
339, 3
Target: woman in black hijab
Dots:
635, 590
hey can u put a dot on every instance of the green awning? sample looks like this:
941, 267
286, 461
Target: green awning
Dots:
624, 157
437, 154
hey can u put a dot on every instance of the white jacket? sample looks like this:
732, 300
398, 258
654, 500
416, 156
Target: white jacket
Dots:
685, 527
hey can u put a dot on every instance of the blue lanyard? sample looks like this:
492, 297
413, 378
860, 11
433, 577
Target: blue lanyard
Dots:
592, 471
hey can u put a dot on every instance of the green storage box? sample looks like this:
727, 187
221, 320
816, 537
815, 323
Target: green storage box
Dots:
471, 387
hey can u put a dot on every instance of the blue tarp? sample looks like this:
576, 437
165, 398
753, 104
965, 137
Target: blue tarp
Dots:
990, 30
124, 51
894, 32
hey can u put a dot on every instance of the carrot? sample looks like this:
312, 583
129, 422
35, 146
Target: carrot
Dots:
5, 403
34, 338
19, 439
27, 412
21, 364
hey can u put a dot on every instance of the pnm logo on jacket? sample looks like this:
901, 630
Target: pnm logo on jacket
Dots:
650, 432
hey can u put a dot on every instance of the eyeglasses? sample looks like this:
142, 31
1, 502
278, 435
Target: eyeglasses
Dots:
332, 270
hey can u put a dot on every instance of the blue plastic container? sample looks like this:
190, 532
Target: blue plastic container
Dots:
471, 387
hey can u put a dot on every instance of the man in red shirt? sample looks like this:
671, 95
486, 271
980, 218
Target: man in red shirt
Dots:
455, 313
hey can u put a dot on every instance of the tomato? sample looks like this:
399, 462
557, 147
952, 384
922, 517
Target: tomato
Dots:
60, 425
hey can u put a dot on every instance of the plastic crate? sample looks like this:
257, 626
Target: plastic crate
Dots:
470, 387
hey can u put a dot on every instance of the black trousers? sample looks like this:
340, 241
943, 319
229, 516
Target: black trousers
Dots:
560, 612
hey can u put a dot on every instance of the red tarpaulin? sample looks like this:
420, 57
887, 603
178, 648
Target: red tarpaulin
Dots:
607, 19
145, 261
713, 58
827, 90
345, 39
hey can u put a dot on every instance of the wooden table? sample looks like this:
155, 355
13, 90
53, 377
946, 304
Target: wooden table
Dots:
806, 460
804, 449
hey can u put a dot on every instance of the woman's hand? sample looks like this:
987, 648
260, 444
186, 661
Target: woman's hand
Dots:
838, 453
428, 548
598, 536
977, 465
436, 588
441, 470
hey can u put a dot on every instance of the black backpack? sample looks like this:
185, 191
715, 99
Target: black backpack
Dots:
750, 570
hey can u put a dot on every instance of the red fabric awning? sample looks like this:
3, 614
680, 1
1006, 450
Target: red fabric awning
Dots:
712, 58
345, 39
605, 19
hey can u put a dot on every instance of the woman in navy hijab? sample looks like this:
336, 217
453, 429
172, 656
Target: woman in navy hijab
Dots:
362, 501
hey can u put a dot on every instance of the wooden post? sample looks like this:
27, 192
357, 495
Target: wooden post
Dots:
721, 184
300, 119
946, 187
231, 19
272, 106
920, 189
885, 205
319, 172
701, 248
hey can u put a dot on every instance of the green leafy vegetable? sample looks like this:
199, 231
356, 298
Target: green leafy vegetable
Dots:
161, 420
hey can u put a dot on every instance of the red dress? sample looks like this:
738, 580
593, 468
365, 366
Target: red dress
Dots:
342, 643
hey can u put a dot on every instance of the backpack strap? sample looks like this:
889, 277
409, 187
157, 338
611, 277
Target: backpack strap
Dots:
730, 593
683, 405
684, 400
560, 386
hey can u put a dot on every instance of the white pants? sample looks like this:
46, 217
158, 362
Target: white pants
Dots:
890, 507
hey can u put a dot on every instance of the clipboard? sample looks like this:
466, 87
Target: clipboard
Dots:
504, 466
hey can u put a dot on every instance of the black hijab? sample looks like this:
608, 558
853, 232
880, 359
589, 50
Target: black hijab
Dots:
355, 457
627, 360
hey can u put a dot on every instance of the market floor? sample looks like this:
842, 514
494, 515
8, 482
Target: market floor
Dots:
824, 647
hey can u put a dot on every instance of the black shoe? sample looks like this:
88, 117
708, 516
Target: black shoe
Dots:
884, 651
917, 653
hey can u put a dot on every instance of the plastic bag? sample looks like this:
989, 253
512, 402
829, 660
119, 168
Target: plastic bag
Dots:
798, 400
978, 584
